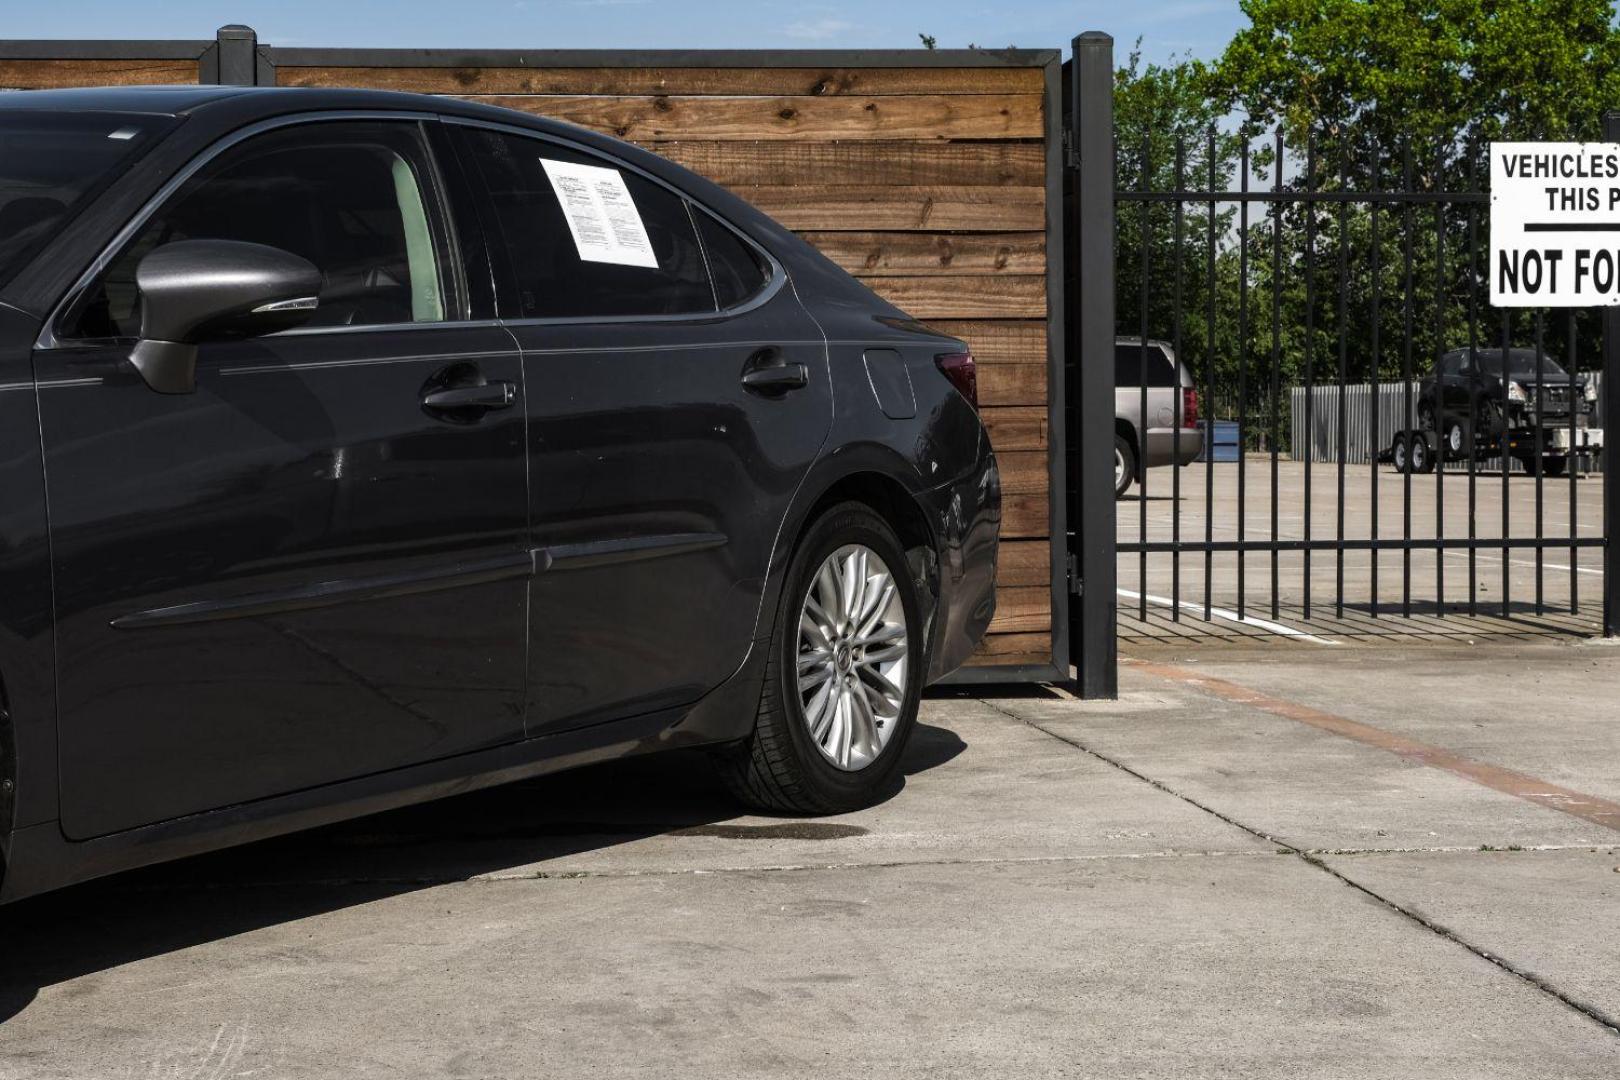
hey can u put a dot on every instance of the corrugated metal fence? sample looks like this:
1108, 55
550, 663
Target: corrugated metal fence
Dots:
1322, 436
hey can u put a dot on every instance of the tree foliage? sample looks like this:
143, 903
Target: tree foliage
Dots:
1427, 70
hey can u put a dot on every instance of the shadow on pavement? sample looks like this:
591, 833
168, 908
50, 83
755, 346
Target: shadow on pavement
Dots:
103, 924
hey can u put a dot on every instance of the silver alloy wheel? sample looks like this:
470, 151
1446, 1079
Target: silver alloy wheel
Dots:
853, 657
1455, 441
1119, 467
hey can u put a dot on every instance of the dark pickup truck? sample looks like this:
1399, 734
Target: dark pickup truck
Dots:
1497, 395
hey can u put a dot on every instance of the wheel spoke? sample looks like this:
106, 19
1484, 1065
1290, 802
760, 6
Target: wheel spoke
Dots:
874, 611
830, 587
891, 696
885, 654
854, 579
882, 635
841, 742
812, 631
810, 678
866, 723
818, 712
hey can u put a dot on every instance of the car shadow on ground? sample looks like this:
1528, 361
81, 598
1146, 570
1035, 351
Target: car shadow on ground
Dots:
103, 924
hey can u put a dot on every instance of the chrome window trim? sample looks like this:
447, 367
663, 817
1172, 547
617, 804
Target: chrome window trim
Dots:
48, 339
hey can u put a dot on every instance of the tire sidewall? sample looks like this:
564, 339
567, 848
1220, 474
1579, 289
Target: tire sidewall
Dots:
1123, 453
848, 523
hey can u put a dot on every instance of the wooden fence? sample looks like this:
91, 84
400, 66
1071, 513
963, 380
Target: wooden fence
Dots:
929, 175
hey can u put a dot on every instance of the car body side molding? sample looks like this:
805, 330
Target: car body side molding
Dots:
593, 553
332, 593
354, 590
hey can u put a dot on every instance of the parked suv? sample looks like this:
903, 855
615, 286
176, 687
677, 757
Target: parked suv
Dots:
1167, 432
1506, 393
362, 448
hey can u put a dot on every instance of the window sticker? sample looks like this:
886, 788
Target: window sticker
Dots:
606, 225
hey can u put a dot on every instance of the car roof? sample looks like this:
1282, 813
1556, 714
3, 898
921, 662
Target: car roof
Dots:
249, 103
161, 100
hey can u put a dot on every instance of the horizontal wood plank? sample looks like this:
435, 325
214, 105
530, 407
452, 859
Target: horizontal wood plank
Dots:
688, 81
1018, 427
1006, 650
1012, 384
999, 342
1025, 517
1023, 564
1020, 609
813, 207
61, 74
641, 117
1023, 472
1006, 295
916, 164
883, 254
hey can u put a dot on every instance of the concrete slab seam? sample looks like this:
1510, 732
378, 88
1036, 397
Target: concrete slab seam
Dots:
1591, 1012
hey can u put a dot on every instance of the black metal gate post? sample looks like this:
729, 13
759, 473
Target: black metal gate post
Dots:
1611, 413
238, 55
1092, 616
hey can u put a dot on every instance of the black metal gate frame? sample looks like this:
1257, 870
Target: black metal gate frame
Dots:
236, 57
1092, 505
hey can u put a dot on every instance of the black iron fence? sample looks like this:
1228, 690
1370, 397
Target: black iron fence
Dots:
1294, 278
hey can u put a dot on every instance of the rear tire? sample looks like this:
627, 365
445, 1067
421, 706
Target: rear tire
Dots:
1554, 466
1124, 466
1420, 456
1397, 453
841, 686
1459, 441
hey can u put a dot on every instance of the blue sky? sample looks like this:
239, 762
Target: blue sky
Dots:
1167, 26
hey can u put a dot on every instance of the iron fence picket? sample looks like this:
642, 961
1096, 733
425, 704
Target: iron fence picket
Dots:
1344, 423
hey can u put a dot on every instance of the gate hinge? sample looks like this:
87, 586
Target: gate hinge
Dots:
1071, 156
1077, 587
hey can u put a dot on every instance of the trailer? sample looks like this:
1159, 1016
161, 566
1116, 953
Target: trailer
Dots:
1421, 450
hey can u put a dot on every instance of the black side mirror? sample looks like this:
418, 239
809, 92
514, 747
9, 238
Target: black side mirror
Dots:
200, 290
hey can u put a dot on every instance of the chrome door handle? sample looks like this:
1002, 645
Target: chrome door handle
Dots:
495, 395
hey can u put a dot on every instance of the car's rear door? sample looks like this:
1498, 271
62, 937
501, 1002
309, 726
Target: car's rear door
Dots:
667, 437
302, 572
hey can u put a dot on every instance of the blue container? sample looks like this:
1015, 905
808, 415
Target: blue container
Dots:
1224, 446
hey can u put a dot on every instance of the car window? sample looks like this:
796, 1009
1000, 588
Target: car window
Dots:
583, 239
738, 270
358, 200
1521, 363
51, 164
1128, 366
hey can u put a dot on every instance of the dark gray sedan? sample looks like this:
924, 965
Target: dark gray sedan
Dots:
363, 448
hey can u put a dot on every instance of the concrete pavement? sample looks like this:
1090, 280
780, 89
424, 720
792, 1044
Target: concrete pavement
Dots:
1175, 884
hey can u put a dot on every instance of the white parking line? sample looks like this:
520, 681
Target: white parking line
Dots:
1528, 562
1230, 616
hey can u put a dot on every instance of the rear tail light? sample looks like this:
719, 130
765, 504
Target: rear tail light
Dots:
963, 373
1189, 407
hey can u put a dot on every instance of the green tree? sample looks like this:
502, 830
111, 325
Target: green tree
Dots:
1426, 70
1167, 132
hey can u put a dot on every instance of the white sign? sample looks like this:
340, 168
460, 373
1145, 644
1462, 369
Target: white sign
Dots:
606, 225
1555, 224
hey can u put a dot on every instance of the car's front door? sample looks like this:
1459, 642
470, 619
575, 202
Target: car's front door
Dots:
306, 570
660, 480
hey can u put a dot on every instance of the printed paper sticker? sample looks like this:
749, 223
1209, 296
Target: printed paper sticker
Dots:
607, 227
